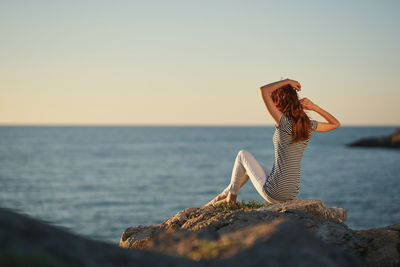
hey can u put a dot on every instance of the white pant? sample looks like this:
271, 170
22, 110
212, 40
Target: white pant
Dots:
245, 167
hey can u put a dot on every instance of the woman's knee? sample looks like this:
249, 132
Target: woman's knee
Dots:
242, 153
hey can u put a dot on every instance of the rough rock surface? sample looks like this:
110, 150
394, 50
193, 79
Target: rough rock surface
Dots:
314, 207
391, 141
29, 242
298, 228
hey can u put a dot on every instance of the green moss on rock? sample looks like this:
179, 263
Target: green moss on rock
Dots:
242, 205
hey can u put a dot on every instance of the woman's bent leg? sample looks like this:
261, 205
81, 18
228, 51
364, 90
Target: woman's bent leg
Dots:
238, 178
246, 167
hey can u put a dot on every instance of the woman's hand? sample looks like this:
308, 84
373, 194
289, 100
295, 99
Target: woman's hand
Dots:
295, 84
307, 103
332, 122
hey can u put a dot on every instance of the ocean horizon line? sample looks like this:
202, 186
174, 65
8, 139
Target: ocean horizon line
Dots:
171, 125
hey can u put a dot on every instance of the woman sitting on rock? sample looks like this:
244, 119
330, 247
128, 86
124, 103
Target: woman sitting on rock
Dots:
292, 133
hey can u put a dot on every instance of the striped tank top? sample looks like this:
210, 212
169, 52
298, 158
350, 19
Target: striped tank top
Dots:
284, 181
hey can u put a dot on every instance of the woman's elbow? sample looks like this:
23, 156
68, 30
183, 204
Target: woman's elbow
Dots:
337, 125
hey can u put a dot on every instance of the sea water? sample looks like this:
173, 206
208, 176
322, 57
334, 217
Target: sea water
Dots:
97, 181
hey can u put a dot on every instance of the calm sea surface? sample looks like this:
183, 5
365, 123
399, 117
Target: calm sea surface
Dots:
97, 181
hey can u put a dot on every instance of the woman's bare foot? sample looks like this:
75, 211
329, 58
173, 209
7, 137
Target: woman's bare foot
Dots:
230, 199
220, 197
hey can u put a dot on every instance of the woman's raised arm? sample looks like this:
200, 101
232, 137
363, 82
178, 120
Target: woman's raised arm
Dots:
266, 92
331, 124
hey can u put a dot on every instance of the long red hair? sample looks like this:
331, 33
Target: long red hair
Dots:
287, 101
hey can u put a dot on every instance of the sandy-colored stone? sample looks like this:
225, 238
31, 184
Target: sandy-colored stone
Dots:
203, 232
316, 208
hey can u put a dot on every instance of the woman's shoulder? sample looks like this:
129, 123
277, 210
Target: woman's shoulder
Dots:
287, 121
285, 124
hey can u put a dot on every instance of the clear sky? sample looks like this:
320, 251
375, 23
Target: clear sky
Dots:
195, 62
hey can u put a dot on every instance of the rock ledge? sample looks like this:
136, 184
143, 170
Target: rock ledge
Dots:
299, 228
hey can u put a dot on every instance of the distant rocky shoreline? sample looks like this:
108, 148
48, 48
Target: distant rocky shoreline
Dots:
390, 141
295, 233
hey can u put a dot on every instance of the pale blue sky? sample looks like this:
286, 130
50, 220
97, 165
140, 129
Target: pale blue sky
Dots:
195, 62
